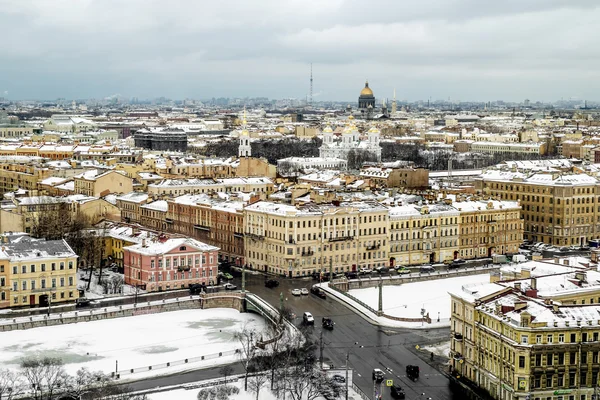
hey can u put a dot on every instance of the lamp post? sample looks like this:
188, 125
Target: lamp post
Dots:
243, 278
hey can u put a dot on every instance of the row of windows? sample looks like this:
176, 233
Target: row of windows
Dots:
33, 283
33, 268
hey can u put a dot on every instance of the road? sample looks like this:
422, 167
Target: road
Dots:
367, 346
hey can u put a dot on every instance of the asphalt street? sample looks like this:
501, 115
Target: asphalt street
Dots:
367, 346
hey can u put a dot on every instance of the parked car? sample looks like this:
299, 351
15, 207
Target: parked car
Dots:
318, 291
426, 269
296, 292
382, 270
308, 318
459, 262
227, 275
351, 275
304, 291
327, 323
403, 270
378, 375
196, 288
412, 372
82, 302
271, 283
365, 270
338, 379
230, 286
397, 392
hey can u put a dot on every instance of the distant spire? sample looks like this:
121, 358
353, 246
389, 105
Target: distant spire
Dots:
244, 119
310, 99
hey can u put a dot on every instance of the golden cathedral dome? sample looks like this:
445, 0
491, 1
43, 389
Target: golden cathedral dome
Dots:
366, 91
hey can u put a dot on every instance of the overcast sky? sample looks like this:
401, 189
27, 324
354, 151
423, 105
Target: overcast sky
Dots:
438, 49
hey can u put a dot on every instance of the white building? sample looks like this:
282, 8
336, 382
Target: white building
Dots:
350, 141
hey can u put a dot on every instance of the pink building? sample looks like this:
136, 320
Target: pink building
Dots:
170, 264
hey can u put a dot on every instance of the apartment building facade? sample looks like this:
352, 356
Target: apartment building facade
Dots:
487, 227
213, 220
561, 209
170, 263
513, 340
423, 234
298, 241
36, 272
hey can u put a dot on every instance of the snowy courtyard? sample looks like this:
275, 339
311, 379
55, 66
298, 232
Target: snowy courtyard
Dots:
133, 342
408, 299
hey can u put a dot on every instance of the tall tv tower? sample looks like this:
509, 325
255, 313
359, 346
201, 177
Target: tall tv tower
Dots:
311, 86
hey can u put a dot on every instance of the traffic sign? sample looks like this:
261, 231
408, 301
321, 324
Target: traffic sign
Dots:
389, 382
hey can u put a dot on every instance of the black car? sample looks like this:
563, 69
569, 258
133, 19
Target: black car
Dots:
459, 262
271, 283
327, 323
318, 291
338, 379
351, 275
397, 392
412, 372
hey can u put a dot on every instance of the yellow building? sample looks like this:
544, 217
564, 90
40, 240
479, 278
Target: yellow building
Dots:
299, 241
97, 183
488, 227
423, 234
36, 272
516, 340
558, 208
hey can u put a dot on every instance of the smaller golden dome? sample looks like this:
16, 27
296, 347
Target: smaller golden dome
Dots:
366, 91
327, 129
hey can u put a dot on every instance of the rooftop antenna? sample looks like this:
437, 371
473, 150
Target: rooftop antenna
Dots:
311, 86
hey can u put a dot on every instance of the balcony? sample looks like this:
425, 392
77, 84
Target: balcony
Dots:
373, 247
183, 268
254, 236
458, 337
238, 234
340, 238
169, 220
308, 253
202, 227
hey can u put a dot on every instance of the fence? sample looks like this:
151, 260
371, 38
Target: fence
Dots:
371, 309
362, 394
139, 308
190, 360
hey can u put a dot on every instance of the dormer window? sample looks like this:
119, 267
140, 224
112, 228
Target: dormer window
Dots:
182, 248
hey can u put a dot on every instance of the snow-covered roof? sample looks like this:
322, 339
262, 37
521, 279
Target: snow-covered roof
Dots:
160, 247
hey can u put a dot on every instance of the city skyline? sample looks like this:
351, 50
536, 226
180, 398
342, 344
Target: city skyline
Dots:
464, 51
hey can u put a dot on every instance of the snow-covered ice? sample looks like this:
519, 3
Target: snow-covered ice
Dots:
133, 341
408, 299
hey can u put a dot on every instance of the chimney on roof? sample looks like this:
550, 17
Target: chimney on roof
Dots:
533, 283
518, 286
143, 242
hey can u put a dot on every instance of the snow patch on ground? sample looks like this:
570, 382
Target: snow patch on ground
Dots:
439, 349
265, 393
134, 342
407, 300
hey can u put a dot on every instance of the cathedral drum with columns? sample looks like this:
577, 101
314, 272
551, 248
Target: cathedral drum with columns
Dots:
366, 98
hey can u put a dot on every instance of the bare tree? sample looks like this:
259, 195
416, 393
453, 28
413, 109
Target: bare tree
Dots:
259, 378
11, 384
246, 337
113, 285
45, 376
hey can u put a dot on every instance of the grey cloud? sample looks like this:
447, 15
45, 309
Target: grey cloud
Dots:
186, 48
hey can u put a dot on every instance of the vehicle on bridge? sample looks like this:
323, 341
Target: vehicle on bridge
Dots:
230, 286
412, 372
318, 291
